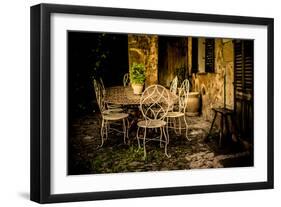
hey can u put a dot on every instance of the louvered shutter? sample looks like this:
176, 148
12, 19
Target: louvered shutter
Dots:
243, 66
243, 85
238, 66
248, 67
209, 54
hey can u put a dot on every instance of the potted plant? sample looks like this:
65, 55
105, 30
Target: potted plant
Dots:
137, 77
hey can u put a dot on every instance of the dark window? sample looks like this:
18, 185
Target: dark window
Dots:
194, 55
209, 55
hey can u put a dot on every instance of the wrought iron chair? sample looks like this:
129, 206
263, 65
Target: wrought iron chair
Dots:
126, 80
174, 85
109, 116
185, 85
153, 106
113, 107
173, 89
179, 113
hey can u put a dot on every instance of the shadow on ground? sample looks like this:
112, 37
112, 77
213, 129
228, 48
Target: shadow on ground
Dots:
115, 156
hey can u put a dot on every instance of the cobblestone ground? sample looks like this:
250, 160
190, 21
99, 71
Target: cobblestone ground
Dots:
84, 156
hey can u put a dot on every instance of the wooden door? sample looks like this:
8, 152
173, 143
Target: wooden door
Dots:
244, 87
172, 60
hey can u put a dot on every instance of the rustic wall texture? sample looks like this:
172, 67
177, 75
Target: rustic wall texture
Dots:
211, 85
189, 54
144, 49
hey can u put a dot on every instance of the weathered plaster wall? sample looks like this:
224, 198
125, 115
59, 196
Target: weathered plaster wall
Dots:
189, 54
228, 55
144, 49
211, 85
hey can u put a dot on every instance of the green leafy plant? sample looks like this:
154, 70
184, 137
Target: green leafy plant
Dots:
137, 73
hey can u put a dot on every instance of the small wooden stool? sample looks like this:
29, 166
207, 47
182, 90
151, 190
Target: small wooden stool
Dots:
224, 112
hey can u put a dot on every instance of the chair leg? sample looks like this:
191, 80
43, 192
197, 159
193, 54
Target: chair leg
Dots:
186, 129
124, 130
161, 133
214, 119
167, 128
102, 132
128, 125
144, 149
138, 137
166, 142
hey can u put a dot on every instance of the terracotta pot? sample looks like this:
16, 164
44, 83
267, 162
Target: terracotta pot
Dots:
193, 104
137, 88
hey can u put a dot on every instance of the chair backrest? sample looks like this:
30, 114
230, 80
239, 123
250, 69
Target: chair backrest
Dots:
155, 102
183, 95
100, 92
185, 85
174, 85
126, 80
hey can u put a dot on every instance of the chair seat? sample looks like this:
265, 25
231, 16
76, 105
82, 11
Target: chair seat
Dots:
113, 106
174, 114
108, 111
151, 123
115, 116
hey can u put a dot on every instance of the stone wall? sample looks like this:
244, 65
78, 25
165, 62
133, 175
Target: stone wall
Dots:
144, 49
211, 85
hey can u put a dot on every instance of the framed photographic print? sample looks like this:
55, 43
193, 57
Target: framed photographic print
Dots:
132, 103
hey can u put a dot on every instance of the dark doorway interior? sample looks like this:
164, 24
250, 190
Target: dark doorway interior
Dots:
172, 60
194, 60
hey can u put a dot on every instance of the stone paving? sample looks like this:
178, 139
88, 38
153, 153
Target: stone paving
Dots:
84, 156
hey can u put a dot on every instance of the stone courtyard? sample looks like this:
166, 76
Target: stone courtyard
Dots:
84, 156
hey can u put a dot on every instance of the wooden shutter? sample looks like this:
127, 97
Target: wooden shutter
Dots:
248, 67
238, 66
209, 54
244, 68
244, 85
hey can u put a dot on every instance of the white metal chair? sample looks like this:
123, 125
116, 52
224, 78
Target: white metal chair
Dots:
109, 115
113, 107
179, 113
185, 85
174, 85
153, 106
126, 80
173, 89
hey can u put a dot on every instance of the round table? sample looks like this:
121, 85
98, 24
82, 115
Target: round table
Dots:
125, 96
121, 95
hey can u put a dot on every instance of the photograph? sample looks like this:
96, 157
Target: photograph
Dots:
154, 102
131, 103
140, 103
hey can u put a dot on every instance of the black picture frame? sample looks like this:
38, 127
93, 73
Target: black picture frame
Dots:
40, 102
